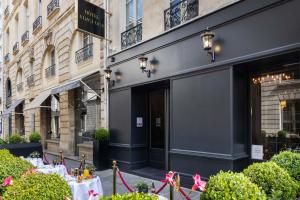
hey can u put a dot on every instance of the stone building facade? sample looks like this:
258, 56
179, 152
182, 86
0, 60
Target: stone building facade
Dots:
49, 70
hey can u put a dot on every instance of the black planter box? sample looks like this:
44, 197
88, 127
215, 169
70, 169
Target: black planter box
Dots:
24, 149
101, 154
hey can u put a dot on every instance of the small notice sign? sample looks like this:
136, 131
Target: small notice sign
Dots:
257, 152
139, 122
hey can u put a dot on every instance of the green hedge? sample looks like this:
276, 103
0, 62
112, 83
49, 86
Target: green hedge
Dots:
38, 187
273, 180
16, 139
231, 186
101, 135
12, 166
35, 137
131, 196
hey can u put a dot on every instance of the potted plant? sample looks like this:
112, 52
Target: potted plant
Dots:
19, 146
100, 149
141, 187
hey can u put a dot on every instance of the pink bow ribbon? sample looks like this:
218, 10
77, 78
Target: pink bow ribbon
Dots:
170, 178
92, 194
198, 183
8, 181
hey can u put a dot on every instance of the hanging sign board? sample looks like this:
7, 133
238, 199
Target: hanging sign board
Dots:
90, 18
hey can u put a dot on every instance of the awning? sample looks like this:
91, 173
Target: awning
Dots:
71, 84
37, 102
12, 107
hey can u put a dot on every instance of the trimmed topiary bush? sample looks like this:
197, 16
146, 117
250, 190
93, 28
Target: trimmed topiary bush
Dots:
35, 137
101, 135
273, 180
15, 139
131, 196
230, 185
12, 166
290, 161
38, 186
282, 134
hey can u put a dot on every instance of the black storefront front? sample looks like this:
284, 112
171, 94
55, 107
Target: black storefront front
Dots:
193, 115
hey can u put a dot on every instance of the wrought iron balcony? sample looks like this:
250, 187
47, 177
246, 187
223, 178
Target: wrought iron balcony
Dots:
6, 12
25, 38
131, 36
50, 71
52, 7
7, 58
84, 54
180, 13
16, 48
30, 80
20, 87
37, 24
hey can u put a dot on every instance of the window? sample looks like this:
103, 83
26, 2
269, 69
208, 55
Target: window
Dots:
55, 112
31, 68
134, 13
87, 39
40, 8
52, 57
275, 110
8, 88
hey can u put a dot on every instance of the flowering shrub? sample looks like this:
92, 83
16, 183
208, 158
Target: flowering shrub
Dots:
11, 166
229, 185
38, 186
272, 179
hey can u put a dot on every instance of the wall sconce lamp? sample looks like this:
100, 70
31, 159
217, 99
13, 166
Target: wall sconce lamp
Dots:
143, 65
118, 76
207, 40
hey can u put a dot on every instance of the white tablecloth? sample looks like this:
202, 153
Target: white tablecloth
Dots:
80, 190
58, 169
37, 162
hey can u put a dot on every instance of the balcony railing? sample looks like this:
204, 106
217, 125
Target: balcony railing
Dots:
131, 36
180, 13
16, 48
37, 24
7, 58
20, 87
52, 7
25, 38
50, 71
84, 54
6, 12
30, 80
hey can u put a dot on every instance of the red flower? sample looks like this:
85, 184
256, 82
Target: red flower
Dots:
92, 194
198, 183
8, 181
170, 178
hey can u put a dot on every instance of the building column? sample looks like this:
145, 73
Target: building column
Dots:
67, 125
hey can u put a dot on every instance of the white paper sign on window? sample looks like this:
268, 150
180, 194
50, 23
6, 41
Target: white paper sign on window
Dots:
139, 122
157, 122
257, 152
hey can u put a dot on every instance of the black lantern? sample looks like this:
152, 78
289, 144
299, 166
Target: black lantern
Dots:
207, 40
143, 65
107, 73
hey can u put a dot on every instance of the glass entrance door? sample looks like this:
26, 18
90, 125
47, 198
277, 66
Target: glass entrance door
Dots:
157, 146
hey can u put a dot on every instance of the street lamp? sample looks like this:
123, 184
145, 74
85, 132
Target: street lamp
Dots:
207, 40
143, 65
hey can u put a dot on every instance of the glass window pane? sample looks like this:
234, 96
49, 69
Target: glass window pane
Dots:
129, 13
139, 11
275, 108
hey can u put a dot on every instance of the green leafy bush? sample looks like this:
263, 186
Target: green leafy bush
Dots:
15, 139
272, 179
12, 166
131, 196
229, 185
282, 134
101, 134
35, 137
2, 141
38, 186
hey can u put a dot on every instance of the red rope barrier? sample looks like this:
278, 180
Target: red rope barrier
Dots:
45, 158
161, 188
184, 194
123, 181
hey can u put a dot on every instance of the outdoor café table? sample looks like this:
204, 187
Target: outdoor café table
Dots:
80, 190
49, 169
37, 162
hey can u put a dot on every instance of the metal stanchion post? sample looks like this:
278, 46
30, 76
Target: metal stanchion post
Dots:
171, 192
114, 177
